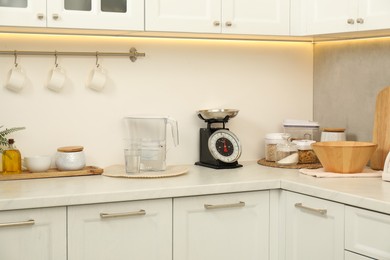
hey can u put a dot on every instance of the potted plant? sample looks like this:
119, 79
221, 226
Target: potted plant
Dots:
4, 133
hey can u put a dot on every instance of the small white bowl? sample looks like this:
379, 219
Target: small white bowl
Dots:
39, 163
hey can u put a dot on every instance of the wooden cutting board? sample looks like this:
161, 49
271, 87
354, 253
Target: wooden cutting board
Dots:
51, 173
381, 131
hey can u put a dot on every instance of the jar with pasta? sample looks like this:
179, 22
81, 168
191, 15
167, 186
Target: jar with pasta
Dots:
305, 151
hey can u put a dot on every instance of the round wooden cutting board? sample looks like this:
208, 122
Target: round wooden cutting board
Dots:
381, 131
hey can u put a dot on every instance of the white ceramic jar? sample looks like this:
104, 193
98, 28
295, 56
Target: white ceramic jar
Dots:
70, 158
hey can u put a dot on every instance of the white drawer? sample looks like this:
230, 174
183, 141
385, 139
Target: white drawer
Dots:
367, 233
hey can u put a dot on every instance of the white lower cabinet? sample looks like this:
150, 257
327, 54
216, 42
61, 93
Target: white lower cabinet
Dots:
140, 230
352, 256
225, 226
367, 233
314, 228
33, 234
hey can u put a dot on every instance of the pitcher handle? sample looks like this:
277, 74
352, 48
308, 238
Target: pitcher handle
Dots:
175, 131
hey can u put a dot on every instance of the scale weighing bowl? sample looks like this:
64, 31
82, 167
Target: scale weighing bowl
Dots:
217, 113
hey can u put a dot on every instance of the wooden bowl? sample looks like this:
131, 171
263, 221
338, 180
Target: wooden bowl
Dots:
344, 156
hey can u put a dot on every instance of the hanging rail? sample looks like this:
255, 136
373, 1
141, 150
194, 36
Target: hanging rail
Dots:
132, 54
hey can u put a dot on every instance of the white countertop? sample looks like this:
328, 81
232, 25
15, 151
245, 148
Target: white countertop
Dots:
369, 193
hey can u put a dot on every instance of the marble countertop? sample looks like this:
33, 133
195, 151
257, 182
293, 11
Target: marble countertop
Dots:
369, 193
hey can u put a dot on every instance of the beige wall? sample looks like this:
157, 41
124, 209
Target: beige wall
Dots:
263, 80
347, 77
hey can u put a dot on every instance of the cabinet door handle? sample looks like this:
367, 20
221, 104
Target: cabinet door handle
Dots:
360, 20
222, 206
140, 212
216, 23
20, 223
40, 16
228, 23
319, 211
350, 21
55, 16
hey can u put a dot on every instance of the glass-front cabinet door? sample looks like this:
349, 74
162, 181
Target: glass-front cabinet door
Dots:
23, 13
96, 14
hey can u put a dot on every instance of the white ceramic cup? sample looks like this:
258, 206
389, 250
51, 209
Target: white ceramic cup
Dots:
39, 163
56, 79
16, 79
97, 79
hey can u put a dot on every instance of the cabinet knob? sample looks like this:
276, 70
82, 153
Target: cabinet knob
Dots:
360, 20
350, 21
55, 16
228, 23
217, 23
40, 16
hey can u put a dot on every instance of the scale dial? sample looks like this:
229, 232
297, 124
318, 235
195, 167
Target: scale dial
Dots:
224, 146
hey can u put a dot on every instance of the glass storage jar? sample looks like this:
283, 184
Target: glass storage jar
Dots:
305, 151
270, 141
286, 152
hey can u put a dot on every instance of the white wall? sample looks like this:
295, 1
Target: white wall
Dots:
266, 81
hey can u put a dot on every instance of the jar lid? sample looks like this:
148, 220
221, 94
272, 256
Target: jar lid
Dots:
276, 136
70, 149
304, 144
300, 123
337, 130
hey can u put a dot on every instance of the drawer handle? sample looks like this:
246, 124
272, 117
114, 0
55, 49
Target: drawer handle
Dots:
222, 206
15, 224
319, 211
140, 212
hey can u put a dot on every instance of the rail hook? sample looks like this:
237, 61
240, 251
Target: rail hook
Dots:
55, 60
97, 60
15, 59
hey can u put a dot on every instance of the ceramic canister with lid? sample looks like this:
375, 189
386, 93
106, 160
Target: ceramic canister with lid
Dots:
271, 140
70, 158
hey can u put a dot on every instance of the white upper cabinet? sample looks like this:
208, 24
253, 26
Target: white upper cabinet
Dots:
80, 14
335, 16
96, 14
183, 16
23, 13
266, 17
373, 14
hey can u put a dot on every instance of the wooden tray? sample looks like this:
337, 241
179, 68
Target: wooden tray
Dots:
296, 166
52, 173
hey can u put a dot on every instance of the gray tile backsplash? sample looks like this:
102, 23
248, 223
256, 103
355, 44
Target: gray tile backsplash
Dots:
347, 77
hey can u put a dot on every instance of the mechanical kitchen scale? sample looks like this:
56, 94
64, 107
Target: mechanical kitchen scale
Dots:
219, 147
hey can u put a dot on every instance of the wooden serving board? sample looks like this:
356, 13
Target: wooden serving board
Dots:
295, 166
52, 173
381, 130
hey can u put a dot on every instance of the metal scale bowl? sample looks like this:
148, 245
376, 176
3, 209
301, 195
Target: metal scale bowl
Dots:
219, 147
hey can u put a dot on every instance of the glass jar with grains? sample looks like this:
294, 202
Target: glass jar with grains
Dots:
270, 141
